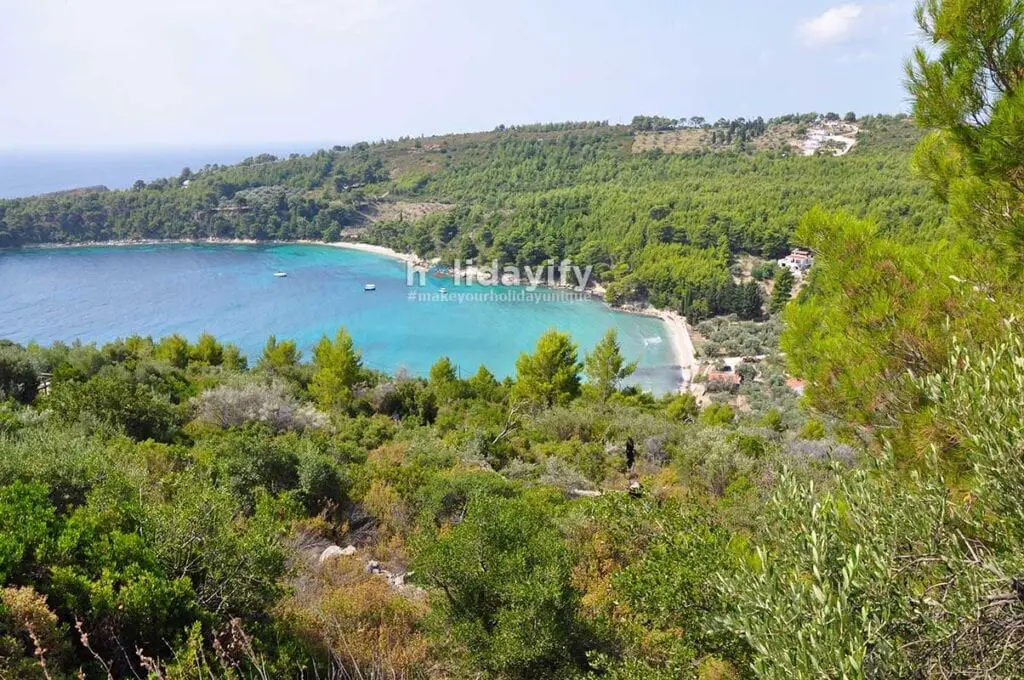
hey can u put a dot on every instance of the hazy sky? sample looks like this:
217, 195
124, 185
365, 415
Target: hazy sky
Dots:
98, 73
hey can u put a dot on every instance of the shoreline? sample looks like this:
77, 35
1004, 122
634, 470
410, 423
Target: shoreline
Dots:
126, 243
675, 324
679, 335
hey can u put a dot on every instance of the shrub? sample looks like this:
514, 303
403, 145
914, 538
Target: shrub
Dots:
717, 415
683, 409
18, 377
226, 406
117, 402
813, 430
512, 606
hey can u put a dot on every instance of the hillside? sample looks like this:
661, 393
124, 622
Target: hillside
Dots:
656, 226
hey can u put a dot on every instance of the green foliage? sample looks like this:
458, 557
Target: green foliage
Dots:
717, 415
885, 575
683, 409
280, 358
337, 368
551, 375
207, 351
877, 312
605, 366
728, 336
443, 380
25, 519
511, 604
175, 350
658, 606
765, 270
967, 89
813, 430
117, 402
782, 291
18, 377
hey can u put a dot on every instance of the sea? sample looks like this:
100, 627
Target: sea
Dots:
31, 172
98, 294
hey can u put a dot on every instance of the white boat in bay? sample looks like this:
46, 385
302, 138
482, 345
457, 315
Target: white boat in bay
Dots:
370, 286
280, 275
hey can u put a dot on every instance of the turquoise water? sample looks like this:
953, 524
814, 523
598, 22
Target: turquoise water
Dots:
99, 294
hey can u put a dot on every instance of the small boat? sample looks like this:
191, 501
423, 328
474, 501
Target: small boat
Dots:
280, 275
370, 286
444, 291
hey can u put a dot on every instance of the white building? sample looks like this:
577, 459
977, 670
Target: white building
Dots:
798, 262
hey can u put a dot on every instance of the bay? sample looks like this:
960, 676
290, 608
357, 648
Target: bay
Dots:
97, 294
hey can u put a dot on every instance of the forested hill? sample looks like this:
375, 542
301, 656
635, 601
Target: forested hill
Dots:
658, 207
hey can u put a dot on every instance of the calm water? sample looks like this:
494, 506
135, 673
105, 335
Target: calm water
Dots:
99, 294
26, 173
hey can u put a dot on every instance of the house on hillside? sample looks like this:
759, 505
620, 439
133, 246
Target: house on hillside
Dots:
726, 377
798, 262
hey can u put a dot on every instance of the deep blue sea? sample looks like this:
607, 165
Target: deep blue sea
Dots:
26, 173
102, 293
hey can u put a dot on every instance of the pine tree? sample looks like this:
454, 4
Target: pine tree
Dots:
605, 366
551, 375
968, 91
338, 368
782, 290
750, 300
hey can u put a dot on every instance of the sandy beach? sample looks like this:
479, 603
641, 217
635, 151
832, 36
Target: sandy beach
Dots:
350, 245
370, 248
679, 336
125, 243
682, 345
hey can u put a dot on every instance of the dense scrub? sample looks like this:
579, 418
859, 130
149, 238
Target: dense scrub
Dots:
164, 507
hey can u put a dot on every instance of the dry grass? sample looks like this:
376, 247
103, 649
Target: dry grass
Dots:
675, 141
366, 628
404, 211
690, 140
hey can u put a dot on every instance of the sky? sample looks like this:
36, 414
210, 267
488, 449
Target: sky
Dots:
158, 73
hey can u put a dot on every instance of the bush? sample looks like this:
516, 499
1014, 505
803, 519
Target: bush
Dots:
18, 377
717, 415
683, 409
511, 605
116, 402
226, 406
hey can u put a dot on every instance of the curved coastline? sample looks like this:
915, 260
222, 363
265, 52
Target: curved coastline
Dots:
675, 324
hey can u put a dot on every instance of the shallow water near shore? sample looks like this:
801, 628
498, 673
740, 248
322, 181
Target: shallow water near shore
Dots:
102, 293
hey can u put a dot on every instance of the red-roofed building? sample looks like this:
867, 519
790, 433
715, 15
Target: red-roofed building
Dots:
797, 385
729, 377
798, 262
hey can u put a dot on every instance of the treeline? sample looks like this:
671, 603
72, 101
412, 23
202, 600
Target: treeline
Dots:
662, 124
642, 123
303, 197
553, 127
